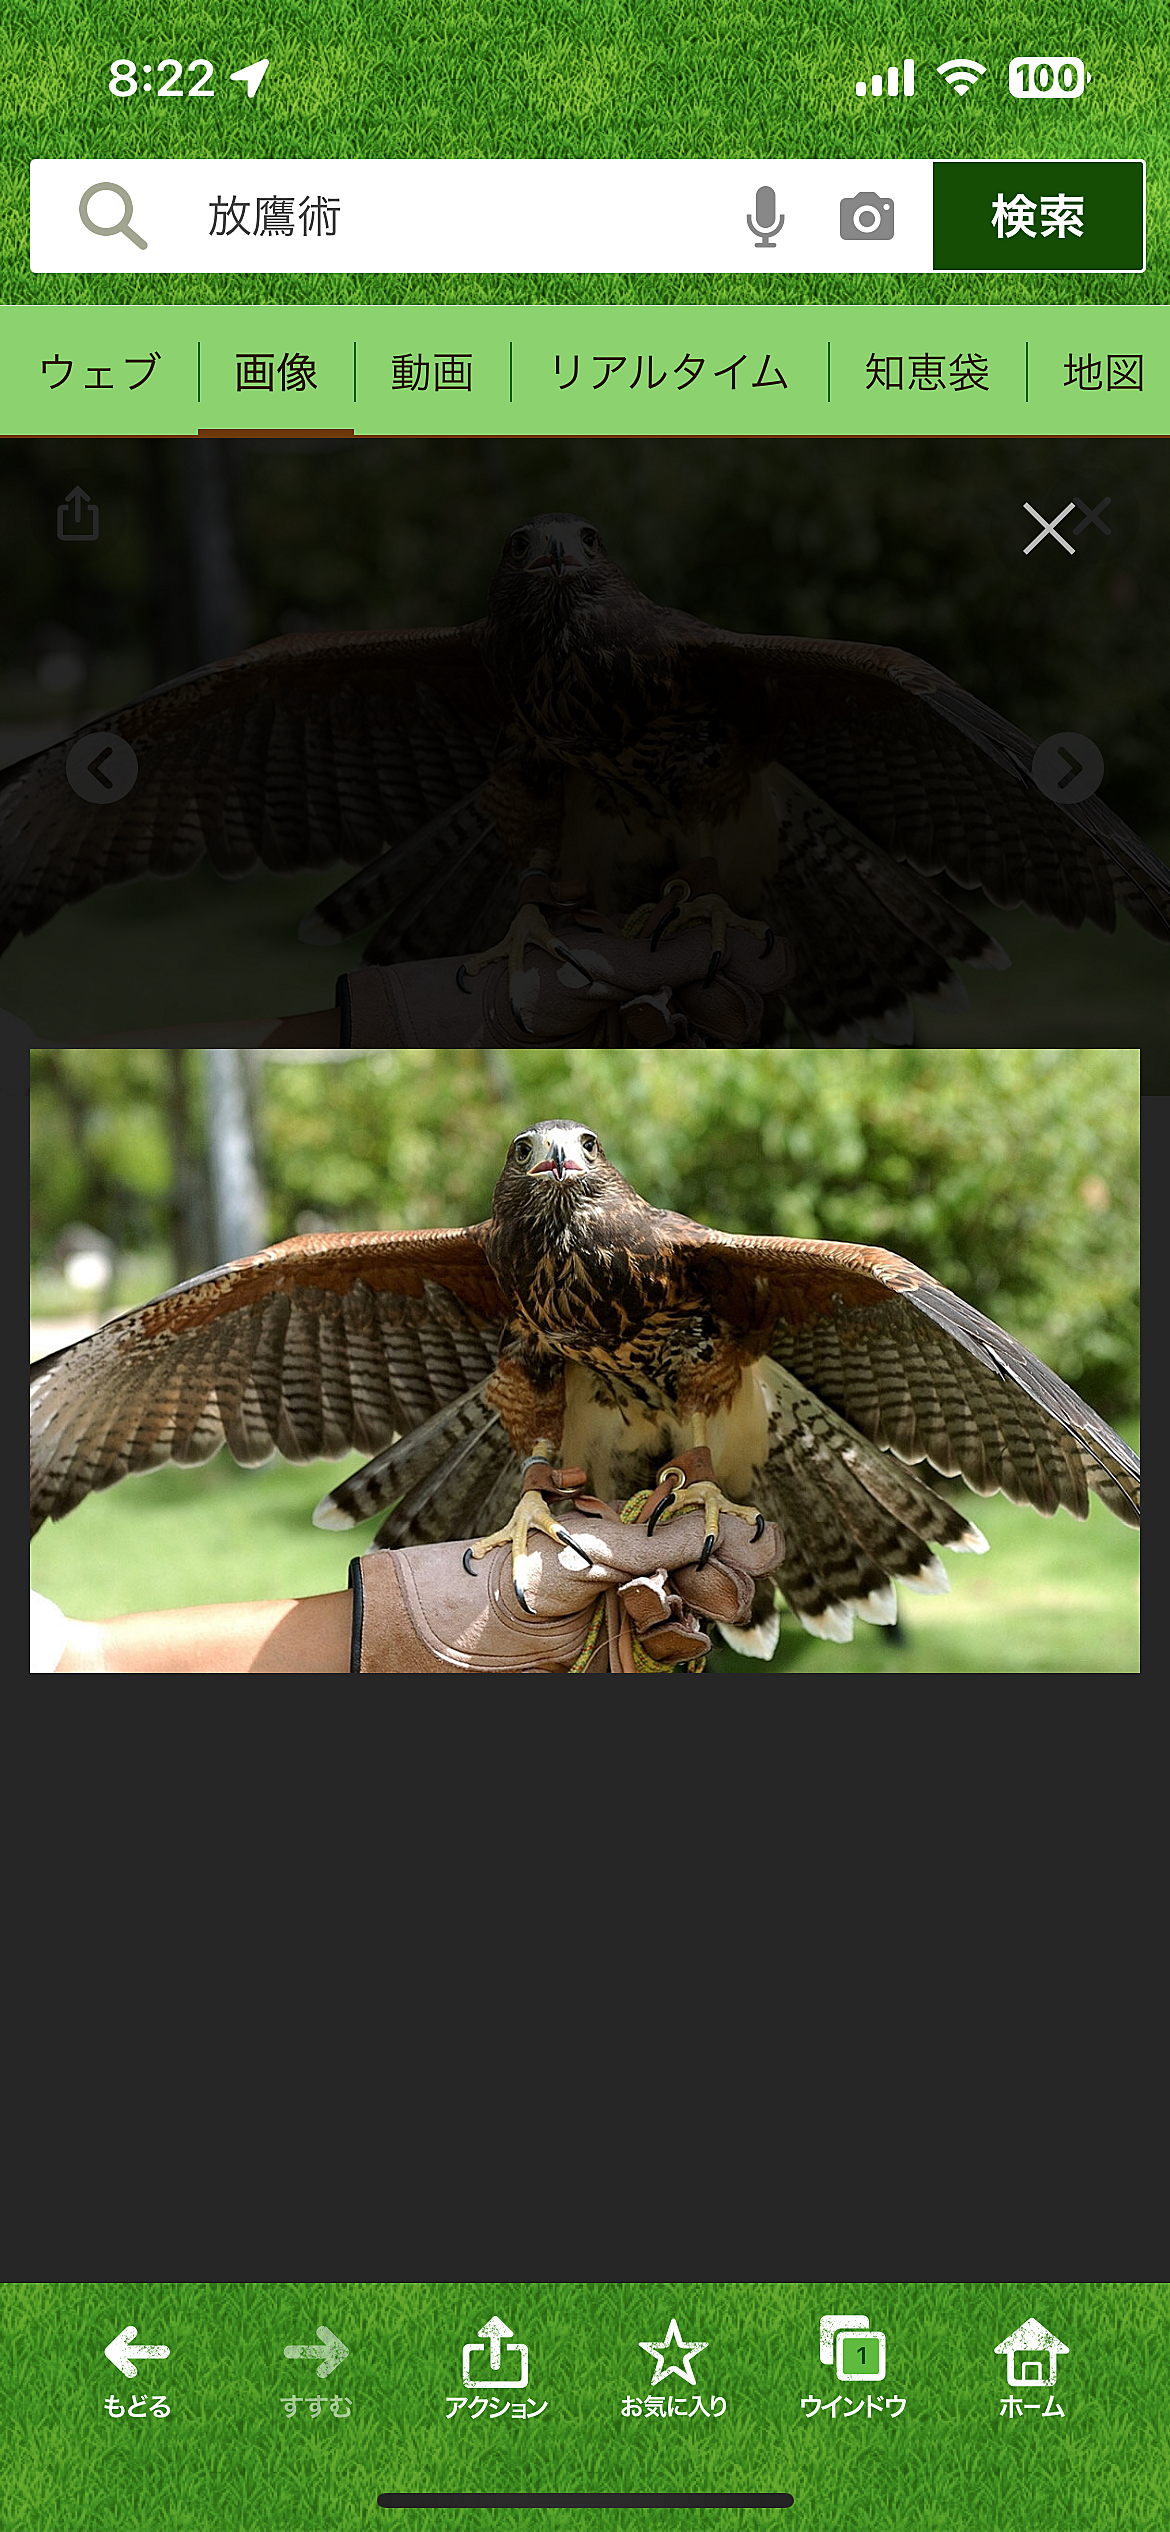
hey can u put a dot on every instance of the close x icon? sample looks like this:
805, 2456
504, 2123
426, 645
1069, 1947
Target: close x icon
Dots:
1051, 527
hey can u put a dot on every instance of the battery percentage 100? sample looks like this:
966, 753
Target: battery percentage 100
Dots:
1032, 75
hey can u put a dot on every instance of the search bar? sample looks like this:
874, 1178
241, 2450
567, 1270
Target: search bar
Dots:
485, 215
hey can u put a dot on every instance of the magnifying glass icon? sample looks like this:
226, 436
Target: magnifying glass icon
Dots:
121, 228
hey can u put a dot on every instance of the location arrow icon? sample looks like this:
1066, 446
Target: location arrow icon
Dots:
335, 2353
118, 2351
252, 76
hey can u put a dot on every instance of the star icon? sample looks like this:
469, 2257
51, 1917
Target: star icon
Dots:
686, 2348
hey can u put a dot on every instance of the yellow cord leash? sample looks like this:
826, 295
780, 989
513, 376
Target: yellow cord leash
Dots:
631, 1512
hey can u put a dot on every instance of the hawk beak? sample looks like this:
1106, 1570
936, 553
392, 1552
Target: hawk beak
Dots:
556, 560
557, 1165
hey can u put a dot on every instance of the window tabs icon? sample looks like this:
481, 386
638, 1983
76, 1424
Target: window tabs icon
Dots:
859, 2352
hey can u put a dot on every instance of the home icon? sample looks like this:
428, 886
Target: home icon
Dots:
1026, 2351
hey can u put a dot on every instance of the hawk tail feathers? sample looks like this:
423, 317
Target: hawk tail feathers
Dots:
865, 930
855, 1520
443, 1480
411, 868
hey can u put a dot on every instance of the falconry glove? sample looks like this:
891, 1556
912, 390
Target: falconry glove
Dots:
609, 1596
668, 985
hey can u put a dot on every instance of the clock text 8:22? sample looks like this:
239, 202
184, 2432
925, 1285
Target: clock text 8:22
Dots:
124, 80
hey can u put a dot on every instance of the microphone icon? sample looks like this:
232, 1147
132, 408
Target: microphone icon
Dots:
768, 222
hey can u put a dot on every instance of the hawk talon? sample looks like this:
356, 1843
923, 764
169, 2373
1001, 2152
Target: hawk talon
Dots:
666, 1505
715, 1504
761, 1526
528, 929
769, 941
722, 917
714, 965
466, 1567
531, 1513
461, 977
566, 1541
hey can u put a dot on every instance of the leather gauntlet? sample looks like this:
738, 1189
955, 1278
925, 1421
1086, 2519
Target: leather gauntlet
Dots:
665, 987
615, 1598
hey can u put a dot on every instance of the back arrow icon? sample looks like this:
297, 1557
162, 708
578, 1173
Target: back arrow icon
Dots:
335, 2354
118, 2351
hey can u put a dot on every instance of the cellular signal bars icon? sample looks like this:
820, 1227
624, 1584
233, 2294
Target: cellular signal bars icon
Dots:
876, 87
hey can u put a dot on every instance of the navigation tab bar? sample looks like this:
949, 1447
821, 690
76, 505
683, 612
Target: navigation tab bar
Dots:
750, 372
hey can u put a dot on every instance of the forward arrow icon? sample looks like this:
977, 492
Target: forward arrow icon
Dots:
335, 2354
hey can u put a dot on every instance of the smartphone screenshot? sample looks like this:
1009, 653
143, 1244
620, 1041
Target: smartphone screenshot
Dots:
585, 894
584, 839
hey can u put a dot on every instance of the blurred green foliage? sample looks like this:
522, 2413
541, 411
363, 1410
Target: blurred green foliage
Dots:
1011, 1175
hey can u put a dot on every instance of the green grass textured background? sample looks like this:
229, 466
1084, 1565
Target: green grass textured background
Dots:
562, 79
229, 2456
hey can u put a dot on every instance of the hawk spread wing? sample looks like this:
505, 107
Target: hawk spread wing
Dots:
322, 1345
939, 779
305, 751
849, 1365
614, 740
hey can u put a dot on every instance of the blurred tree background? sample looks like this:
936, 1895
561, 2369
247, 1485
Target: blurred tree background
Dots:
206, 547
1013, 1176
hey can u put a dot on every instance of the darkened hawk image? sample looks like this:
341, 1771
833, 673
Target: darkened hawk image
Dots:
584, 742
794, 1380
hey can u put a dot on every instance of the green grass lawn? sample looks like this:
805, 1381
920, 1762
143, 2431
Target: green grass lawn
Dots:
1053, 1595
941, 2457
554, 79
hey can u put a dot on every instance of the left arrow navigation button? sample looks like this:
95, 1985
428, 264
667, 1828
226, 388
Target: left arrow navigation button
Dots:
101, 767
118, 2351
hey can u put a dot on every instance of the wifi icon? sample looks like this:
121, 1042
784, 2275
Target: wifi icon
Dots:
962, 75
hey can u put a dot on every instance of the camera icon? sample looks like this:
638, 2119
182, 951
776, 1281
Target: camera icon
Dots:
867, 216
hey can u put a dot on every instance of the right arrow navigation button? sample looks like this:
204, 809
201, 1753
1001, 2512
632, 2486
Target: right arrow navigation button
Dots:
334, 2353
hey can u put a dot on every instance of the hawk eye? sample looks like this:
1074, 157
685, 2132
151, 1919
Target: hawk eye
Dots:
524, 1146
589, 1146
518, 545
590, 540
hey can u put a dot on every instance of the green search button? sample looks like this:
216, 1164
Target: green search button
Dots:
1034, 215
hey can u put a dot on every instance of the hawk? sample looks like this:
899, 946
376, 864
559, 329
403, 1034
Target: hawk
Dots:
582, 743
793, 1380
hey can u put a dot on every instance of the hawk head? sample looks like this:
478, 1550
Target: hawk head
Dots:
553, 569
552, 1169
555, 543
